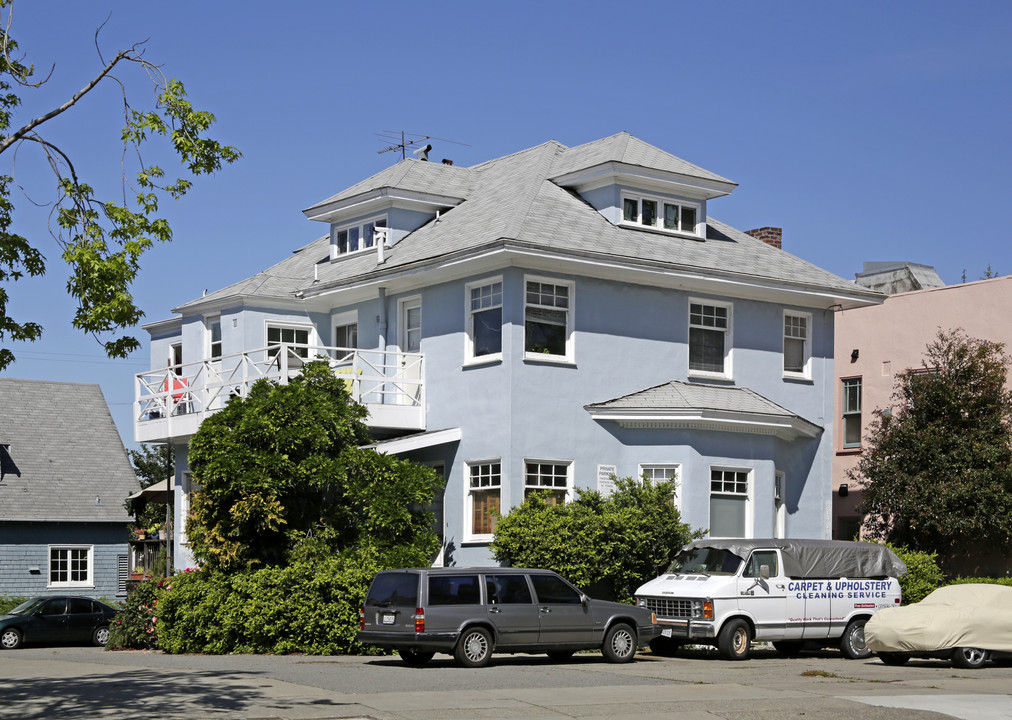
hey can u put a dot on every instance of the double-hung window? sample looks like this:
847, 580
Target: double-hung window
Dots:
214, 337
709, 338
797, 345
485, 494
729, 503
548, 320
354, 238
662, 473
659, 213
852, 412
484, 319
70, 566
296, 338
553, 477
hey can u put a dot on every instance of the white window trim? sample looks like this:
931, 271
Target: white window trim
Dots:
313, 339
844, 413
342, 319
335, 229
89, 583
749, 496
208, 319
780, 510
469, 535
661, 201
806, 372
184, 507
570, 491
402, 330
677, 467
469, 356
570, 357
728, 373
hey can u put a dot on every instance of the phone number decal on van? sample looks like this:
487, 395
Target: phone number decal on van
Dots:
839, 589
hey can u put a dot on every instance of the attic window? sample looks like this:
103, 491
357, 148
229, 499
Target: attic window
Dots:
660, 213
354, 238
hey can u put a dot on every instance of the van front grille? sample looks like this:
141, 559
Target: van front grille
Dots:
670, 607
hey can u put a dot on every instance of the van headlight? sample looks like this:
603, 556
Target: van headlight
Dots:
641, 602
702, 609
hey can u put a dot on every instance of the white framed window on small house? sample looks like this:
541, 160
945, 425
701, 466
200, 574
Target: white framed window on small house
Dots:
176, 357
710, 339
662, 473
345, 326
730, 503
484, 320
797, 345
548, 319
356, 237
214, 346
661, 213
484, 498
70, 566
553, 476
295, 337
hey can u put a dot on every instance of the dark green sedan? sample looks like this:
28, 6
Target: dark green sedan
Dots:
56, 619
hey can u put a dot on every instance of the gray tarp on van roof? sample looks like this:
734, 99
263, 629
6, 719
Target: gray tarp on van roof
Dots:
819, 558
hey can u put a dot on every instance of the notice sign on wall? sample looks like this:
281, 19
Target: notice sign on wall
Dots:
606, 479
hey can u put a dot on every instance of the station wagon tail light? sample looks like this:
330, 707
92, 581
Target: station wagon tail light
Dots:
419, 620
361, 618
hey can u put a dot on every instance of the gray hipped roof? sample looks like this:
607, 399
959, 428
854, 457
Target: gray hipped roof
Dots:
512, 203
62, 440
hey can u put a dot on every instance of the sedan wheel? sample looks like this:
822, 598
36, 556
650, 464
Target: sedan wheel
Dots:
10, 639
968, 658
101, 635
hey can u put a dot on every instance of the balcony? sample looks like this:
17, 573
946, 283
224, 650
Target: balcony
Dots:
170, 403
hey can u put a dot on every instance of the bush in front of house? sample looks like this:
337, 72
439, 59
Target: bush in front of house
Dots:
923, 574
985, 580
308, 606
8, 603
136, 624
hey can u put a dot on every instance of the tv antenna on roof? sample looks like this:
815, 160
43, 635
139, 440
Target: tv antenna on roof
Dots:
414, 141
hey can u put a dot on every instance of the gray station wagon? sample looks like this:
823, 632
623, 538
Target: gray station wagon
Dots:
473, 612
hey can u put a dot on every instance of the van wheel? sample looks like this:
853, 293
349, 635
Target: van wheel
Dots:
735, 640
788, 648
893, 658
619, 643
474, 649
852, 643
968, 658
415, 659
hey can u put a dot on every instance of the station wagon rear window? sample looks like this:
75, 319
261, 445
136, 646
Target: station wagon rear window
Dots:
394, 589
454, 590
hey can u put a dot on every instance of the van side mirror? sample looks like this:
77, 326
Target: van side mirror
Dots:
764, 572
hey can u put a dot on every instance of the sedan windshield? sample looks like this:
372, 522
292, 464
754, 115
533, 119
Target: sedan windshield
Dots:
26, 607
706, 561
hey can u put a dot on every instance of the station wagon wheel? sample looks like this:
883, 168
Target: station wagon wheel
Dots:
101, 635
474, 649
619, 643
968, 658
415, 659
735, 640
10, 639
852, 643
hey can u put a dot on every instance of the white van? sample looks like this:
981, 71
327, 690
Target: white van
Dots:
789, 592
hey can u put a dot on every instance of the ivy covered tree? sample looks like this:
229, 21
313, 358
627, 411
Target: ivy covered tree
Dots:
101, 239
606, 545
152, 464
938, 465
282, 474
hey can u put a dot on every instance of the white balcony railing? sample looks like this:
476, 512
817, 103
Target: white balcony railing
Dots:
171, 402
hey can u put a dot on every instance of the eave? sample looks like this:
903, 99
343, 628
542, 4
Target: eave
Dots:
780, 426
378, 199
613, 172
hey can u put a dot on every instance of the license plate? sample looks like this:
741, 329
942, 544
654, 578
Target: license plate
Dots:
666, 632
387, 619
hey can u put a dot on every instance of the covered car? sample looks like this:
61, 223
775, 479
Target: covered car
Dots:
964, 623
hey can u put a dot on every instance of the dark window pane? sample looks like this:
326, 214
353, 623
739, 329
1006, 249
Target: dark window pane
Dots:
353, 239
630, 210
488, 332
508, 590
649, 212
670, 217
688, 219
454, 590
706, 350
794, 355
545, 331
394, 589
342, 241
551, 590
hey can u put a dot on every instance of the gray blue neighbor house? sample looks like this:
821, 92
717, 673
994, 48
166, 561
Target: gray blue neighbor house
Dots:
541, 321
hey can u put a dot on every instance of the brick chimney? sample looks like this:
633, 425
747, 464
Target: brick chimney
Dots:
770, 235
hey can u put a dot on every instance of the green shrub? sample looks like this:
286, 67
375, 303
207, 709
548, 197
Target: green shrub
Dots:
310, 606
923, 574
607, 546
8, 603
136, 624
985, 580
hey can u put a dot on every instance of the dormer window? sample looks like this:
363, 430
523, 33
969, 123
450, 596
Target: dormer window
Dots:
354, 238
660, 213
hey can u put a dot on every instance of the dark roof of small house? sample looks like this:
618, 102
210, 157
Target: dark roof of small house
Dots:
62, 439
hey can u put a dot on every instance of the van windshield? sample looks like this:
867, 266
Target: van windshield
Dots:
706, 561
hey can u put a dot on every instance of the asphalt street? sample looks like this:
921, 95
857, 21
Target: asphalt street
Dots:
86, 682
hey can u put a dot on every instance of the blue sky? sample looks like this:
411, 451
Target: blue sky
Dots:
867, 130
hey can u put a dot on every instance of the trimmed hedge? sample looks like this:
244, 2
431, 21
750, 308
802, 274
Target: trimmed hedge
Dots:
923, 574
8, 603
987, 581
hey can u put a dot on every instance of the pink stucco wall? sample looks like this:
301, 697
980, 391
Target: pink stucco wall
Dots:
891, 338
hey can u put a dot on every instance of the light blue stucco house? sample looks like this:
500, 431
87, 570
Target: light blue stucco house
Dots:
64, 476
543, 320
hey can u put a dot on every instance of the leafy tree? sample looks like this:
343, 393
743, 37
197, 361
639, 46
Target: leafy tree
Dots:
938, 467
283, 477
101, 240
152, 464
609, 546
